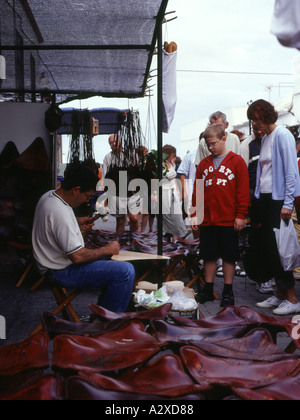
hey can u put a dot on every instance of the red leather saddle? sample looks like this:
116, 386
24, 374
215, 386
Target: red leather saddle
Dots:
228, 317
156, 313
235, 373
286, 390
80, 389
55, 326
46, 388
256, 346
164, 377
31, 353
126, 347
165, 331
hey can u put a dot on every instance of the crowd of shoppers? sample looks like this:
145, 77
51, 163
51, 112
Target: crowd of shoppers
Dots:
254, 181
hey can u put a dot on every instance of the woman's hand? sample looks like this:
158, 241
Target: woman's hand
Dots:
286, 214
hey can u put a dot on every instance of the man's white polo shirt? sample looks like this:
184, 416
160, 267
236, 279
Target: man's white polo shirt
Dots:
56, 233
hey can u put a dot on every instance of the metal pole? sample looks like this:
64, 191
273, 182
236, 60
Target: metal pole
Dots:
160, 137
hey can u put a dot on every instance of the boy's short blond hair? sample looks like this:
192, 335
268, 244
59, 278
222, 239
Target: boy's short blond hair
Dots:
214, 130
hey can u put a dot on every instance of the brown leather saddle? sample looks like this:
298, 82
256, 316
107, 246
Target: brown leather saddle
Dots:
126, 347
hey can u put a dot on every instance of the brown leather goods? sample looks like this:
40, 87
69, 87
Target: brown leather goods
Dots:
165, 331
9, 154
294, 332
256, 346
164, 377
286, 390
31, 353
227, 317
156, 313
15, 383
7, 209
126, 347
80, 389
55, 326
8, 186
235, 373
47, 388
275, 324
34, 158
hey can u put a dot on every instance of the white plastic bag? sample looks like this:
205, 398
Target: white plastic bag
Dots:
288, 246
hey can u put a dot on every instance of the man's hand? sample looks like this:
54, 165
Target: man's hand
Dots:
112, 249
85, 224
86, 256
239, 225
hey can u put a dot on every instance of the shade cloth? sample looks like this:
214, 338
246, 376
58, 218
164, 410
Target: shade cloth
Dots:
79, 48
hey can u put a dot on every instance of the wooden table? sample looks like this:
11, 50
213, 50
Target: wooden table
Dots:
128, 256
157, 260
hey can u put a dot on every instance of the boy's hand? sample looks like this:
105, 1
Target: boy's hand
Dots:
239, 225
194, 224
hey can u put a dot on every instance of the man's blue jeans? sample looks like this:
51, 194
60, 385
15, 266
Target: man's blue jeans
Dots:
116, 280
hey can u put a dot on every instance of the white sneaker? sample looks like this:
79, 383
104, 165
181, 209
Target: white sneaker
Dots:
266, 288
270, 303
287, 308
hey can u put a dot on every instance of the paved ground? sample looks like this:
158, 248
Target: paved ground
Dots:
22, 308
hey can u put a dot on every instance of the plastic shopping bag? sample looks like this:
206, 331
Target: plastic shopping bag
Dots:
288, 246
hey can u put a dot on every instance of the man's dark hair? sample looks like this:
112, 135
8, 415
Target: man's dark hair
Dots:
79, 175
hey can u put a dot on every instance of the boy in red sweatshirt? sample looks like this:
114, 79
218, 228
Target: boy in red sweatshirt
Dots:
226, 204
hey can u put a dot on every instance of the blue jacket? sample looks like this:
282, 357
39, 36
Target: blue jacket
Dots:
286, 179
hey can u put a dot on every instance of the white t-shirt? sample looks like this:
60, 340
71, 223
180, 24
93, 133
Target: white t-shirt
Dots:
56, 233
266, 179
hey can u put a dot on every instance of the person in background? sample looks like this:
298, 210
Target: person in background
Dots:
187, 173
240, 135
121, 205
278, 183
173, 223
232, 141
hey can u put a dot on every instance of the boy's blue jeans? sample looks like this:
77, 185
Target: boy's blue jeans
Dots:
116, 280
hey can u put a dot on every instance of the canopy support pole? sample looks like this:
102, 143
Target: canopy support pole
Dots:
160, 139
159, 149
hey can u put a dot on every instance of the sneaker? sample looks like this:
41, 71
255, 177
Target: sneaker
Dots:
220, 273
239, 272
287, 308
227, 300
266, 288
270, 303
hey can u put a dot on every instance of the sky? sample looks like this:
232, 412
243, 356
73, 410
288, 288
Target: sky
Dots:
213, 36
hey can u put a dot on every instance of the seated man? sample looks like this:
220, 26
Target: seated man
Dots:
59, 248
